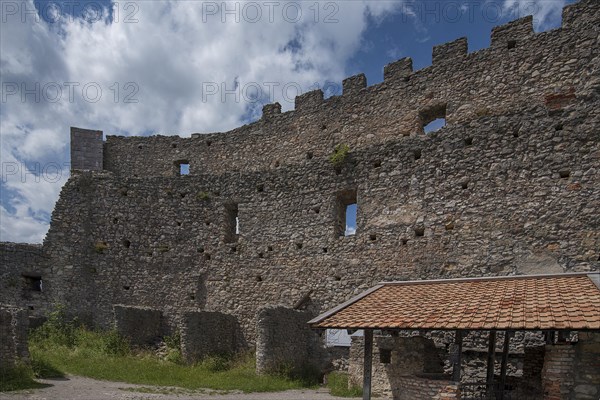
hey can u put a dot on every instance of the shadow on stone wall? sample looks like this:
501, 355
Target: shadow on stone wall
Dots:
285, 343
205, 333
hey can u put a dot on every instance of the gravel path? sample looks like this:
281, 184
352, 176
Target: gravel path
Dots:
79, 388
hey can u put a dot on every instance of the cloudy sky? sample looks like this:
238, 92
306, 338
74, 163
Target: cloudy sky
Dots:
180, 67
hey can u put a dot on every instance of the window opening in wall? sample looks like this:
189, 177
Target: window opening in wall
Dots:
182, 167
32, 283
347, 211
433, 118
232, 223
385, 356
435, 125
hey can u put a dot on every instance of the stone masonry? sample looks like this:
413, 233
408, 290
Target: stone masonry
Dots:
284, 340
510, 185
13, 337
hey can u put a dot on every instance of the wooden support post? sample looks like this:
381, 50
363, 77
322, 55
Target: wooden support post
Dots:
368, 364
505, 348
457, 357
489, 384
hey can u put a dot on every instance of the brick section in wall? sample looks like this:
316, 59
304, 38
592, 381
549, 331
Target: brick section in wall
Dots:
557, 374
586, 384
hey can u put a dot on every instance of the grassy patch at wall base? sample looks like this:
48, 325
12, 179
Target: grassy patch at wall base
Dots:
337, 382
147, 369
18, 378
62, 346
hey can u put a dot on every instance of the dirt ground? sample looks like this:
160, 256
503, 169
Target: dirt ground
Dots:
79, 388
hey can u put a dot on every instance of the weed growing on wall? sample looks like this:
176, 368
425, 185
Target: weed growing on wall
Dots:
339, 155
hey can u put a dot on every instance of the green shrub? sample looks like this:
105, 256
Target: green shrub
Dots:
113, 344
203, 196
173, 344
339, 155
216, 363
17, 378
43, 369
59, 329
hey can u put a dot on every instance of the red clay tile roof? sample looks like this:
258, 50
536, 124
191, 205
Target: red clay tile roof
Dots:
544, 302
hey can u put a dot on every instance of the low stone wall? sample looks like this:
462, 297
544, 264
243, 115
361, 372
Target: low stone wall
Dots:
13, 336
209, 333
141, 325
284, 341
422, 388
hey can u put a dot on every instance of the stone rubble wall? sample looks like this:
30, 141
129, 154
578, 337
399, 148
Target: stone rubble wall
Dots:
140, 325
206, 334
19, 262
494, 207
284, 342
13, 336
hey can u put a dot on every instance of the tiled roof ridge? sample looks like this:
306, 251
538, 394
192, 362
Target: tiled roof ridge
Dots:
493, 278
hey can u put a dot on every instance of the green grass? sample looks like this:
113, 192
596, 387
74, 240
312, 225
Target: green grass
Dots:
146, 369
337, 382
18, 378
61, 346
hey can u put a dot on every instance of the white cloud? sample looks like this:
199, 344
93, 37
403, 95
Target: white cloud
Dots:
545, 12
350, 230
165, 61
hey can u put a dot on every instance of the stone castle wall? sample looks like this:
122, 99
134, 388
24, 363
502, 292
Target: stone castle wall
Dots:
22, 268
510, 185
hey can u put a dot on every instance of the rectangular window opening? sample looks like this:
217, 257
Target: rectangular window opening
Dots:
433, 119
182, 167
347, 212
32, 283
232, 223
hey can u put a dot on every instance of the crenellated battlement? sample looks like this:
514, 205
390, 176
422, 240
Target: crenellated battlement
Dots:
519, 68
449, 52
513, 33
398, 70
354, 84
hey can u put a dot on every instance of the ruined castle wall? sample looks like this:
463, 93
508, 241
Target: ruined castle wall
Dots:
497, 205
510, 185
519, 69
23, 274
